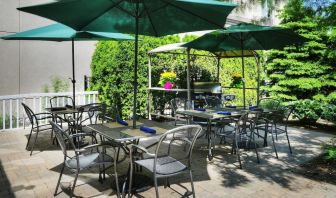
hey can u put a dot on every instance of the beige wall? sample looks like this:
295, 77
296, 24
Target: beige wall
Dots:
25, 66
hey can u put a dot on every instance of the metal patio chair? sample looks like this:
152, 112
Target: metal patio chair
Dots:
36, 125
213, 102
279, 125
170, 158
242, 134
178, 104
61, 101
85, 158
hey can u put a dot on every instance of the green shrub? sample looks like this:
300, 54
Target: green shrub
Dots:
330, 149
308, 111
7, 123
329, 113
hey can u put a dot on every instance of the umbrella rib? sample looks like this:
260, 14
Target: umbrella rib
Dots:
100, 14
159, 8
258, 42
126, 11
187, 11
150, 19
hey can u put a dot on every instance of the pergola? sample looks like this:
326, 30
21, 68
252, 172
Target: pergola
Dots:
177, 48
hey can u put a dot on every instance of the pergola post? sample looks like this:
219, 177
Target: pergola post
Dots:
149, 88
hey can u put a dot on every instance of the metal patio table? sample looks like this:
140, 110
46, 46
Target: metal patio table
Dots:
210, 115
55, 111
123, 135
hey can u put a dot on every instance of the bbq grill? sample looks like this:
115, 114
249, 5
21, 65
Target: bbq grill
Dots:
205, 92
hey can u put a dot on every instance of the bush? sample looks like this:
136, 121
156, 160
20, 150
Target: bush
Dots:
329, 113
7, 124
308, 111
330, 149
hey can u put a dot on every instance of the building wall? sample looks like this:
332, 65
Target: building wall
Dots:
25, 66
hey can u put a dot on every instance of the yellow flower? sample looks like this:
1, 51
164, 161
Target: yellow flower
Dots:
168, 75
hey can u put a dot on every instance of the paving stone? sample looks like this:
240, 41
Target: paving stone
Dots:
22, 175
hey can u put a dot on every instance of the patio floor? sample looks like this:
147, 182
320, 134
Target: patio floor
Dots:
36, 176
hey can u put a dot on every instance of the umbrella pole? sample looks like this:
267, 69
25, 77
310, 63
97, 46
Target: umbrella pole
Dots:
243, 67
188, 77
136, 63
218, 65
73, 74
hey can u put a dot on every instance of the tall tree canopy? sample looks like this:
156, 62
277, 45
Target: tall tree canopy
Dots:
306, 72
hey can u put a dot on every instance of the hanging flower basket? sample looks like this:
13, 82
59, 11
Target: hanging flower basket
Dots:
167, 80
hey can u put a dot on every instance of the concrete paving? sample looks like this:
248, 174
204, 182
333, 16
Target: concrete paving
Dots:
36, 176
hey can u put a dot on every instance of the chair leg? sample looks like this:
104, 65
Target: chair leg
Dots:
276, 132
74, 185
130, 180
238, 154
32, 148
156, 187
290, 149
31, 131
116, 173
192, 184
274, 147
59, 179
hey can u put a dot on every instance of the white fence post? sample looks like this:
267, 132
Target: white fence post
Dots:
30, 99
3, 114
17, 114
10, 113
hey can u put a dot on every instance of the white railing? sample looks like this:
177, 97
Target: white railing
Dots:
12, 114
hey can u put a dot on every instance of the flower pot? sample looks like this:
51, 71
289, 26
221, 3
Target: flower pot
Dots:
168, 85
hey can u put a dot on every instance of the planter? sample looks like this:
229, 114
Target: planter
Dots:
168, 85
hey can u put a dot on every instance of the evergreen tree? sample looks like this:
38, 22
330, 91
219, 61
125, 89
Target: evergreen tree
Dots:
305, 72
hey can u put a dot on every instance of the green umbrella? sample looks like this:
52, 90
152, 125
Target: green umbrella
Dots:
60, 32
246, 36
145, 17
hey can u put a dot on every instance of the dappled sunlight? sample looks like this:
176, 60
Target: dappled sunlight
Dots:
28, 175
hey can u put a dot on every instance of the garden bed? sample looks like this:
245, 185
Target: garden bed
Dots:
319, 169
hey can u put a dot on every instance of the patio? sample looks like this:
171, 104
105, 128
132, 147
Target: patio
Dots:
36, 176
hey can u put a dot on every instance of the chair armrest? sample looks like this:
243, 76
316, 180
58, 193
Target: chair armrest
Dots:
79, 135
107, 118
142, 149
45, 116
87, 147
106, 144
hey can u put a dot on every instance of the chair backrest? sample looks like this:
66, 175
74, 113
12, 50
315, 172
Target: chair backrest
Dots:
185, 134
178, 104
285, 113
96, 113
213, 102
242, 124
269, 103
31, 115
61, 101
62, 138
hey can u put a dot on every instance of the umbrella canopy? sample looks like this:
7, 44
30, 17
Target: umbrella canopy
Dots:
60, 32
145, 17
156, 17
246, 36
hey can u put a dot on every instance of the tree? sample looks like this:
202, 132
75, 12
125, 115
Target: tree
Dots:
112, 73
305, 72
